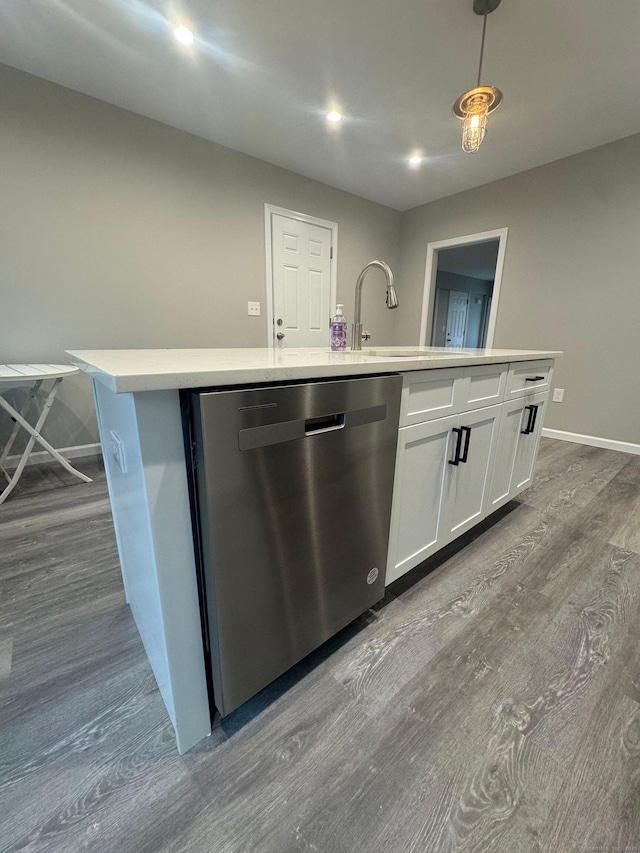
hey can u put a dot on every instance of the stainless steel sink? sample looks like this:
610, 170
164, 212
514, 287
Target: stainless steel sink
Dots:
395, 352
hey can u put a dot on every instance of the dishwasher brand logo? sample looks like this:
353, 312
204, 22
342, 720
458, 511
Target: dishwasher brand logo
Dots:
372, 577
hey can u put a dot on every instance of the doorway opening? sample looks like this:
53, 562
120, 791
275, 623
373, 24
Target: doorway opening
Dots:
301, 254
461, 290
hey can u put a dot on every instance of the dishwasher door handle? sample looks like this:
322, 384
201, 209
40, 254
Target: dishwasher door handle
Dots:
326, 423
263, 436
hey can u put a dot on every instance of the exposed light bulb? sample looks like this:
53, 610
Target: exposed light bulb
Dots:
474, 128
334, 117
473, 108
183, 35
416, 160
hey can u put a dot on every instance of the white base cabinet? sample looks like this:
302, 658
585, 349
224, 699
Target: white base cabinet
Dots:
451, 472
422, 489
517, 447
470, 471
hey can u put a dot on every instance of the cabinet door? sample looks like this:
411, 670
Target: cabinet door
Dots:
517, 447
470, 478
528, 441
508, 435
421, 489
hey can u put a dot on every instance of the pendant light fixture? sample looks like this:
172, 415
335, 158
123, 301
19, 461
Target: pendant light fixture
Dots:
475, 105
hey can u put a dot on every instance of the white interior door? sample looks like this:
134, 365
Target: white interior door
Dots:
301, 258
457, 318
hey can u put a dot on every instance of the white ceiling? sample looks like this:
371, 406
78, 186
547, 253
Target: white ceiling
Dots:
262, 73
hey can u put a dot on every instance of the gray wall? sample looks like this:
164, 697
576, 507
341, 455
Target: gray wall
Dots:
570, 278
117, 231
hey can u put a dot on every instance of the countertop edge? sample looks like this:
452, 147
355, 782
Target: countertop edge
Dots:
177, 379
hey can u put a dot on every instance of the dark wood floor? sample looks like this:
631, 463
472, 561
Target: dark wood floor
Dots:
490, 704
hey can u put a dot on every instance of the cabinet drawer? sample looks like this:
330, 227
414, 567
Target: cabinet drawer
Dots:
430, 394
483, 385
528, 377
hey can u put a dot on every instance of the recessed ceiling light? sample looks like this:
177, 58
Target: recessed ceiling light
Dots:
183, 35
334, 117
416, 160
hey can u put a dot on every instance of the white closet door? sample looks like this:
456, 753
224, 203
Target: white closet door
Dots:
457, 318
301, 255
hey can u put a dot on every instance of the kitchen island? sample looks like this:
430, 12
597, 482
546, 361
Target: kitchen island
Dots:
138, 405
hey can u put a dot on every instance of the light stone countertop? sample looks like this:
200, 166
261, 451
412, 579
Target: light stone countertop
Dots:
160, 369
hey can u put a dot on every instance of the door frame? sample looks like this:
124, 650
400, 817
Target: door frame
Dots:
271, 210
431, 270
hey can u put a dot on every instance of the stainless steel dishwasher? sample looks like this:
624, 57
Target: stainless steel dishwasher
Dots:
292, 486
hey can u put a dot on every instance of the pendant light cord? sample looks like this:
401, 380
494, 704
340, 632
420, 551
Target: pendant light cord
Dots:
484, 30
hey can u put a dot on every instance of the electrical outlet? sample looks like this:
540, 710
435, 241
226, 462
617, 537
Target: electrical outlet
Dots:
558, 395
117, 451
253, 309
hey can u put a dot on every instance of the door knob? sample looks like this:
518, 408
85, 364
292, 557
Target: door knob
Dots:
280, 336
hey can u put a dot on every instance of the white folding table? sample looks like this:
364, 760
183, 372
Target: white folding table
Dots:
34, 375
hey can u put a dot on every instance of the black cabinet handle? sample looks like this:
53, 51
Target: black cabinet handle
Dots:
467, 438
534, 379
535, 415
530, 421
456, 459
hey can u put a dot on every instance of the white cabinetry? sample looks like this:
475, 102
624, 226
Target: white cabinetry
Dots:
430, 394
470, 471
517, 447
441, 489
528, 377
482, 385
421, 490
452, 471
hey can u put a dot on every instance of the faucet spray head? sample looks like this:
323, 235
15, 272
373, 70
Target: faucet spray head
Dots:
392, 296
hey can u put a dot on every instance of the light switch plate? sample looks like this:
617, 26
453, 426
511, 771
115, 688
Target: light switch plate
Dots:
253, 309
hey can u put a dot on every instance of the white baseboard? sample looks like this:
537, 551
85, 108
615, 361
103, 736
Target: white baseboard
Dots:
68, 453
592, 440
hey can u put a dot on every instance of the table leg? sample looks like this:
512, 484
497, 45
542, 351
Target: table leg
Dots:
33, 393
34, 432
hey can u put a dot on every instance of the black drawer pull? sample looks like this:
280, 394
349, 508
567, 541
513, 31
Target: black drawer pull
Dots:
465, 452
456, 459
534, 378
531, 422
